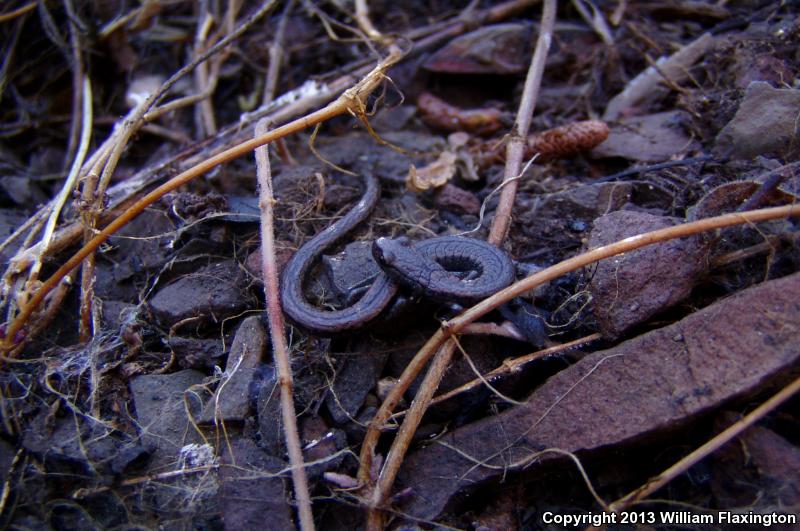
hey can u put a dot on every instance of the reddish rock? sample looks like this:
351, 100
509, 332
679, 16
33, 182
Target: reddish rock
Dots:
630, 288
496, 49
647, 386
651, 138
451, 197
759, 468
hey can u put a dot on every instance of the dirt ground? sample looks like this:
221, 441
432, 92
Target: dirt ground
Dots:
621, 386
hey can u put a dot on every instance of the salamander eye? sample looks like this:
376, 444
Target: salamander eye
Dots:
403, 240
388, 257
381, 250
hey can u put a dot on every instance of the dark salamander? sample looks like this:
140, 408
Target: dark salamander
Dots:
429, 268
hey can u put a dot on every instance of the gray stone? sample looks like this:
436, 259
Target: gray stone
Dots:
353, 382
765, 124
451, 197
251, 495
79, 445
651, 138
211, 293
164, 423
350, 270
269, 416
231, 402
321, 445
193, 353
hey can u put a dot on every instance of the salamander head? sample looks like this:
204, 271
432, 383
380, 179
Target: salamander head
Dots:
387, 251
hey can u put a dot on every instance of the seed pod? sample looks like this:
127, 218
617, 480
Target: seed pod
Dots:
566, 141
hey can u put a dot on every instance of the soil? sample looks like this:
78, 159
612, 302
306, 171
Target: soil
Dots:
159, 406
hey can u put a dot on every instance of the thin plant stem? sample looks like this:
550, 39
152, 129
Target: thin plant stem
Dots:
269, 268
276, 52
400, 445
18, 12
69, 184
206, 122
516, 144
509, 366
77, 81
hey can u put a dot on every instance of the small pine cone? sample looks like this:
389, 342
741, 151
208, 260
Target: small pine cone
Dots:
567, 140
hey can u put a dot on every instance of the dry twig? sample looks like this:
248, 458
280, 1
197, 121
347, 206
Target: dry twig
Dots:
508, 367
277, 331
516, 144
11, 15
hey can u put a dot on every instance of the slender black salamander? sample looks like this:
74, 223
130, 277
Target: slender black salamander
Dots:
426, 267
422, 266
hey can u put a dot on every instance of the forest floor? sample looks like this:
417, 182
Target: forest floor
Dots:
650, 385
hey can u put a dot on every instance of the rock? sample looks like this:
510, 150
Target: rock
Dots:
194, 353
644, 387
161, 413
212, 293
133, 255
651, 138
751, 66
630, 288
451, 197
765, 124
65, 514
108, 510
283, 252
231, 402
242, 209
495, 49
321, 443
353, 382
760, 468
348, 272
501, 514
778, 463
268, 406
251, 495
69, 445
